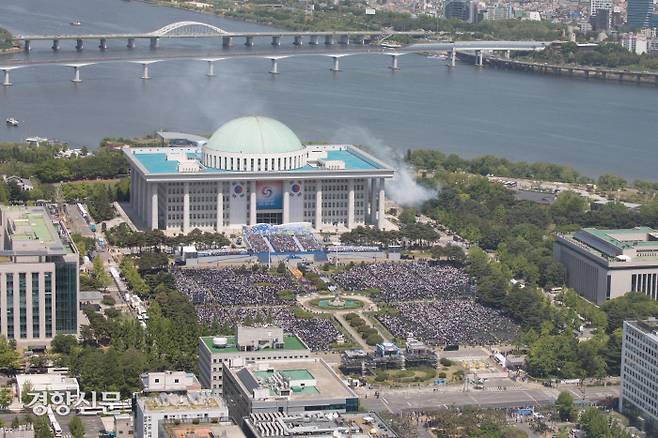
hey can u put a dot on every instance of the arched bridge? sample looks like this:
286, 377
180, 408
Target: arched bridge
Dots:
195, 29
188, 29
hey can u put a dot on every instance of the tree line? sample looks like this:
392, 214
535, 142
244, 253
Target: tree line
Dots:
610, 55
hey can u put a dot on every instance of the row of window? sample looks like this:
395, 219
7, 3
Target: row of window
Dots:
645, 283
10, 311
254, 164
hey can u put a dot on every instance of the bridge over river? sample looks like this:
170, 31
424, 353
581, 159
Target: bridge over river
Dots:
477, 48
195, 29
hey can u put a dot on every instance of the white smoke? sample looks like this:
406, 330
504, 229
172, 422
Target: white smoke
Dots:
403, 188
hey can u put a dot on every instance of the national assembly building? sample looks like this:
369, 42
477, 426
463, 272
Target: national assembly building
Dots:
255, 170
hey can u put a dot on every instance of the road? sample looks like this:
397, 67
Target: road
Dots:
395, 401
175, 54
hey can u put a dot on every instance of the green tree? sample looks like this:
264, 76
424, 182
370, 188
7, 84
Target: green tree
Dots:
8, 356
564, 406
63, 343
26, 398
5, 397
610, 182
99, 275
41, 427
568, 208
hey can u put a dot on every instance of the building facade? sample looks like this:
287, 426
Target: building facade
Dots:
255, 170
605, 264
639, 371
250, 345
290, 387
39, 278
154, 414
639, 13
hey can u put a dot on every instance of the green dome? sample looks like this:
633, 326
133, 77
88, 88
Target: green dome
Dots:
254, 135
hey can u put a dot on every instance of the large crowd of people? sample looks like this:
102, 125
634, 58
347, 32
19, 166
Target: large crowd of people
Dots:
407, 281
317, 333
233, 287
264, 238
308, 241
257, 242
461, 321
283, 243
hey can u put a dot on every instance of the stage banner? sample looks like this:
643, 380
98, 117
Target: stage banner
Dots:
269, 195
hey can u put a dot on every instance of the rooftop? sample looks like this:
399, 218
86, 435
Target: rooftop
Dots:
309, 379
191, 401
203, 430
626, 237
624, 245
649, 326
290, 342
254, 135
275, 425
154, 160
31, 230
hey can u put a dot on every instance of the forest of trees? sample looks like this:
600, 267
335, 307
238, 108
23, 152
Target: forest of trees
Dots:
609, 55
5, 39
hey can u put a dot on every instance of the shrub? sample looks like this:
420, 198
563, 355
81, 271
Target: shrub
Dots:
374, 339
108, 300
442, 375
445, 362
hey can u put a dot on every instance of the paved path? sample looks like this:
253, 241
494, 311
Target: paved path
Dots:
353, 333
401, 400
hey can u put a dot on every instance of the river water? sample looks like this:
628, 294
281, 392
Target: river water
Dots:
595, 127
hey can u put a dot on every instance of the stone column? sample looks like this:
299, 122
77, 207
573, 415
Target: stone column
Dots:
147, 209
286, 202
252, 203
350, 204
373, 201
154, 206
186, 207
139, 200
318, 204
382, 205
132, 189
220, 206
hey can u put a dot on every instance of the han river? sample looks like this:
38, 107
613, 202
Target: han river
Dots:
593, 126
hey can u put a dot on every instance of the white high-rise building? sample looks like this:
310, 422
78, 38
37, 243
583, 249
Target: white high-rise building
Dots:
639, 370
39, 287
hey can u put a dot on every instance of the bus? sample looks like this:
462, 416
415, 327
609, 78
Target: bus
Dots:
54, 424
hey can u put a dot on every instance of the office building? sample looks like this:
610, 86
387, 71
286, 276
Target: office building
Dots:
278, 425
39, 287
602, 20
596, 5
255, 170
605, 264
249, 345
639, 13
458, 10
153, 414
169, 381
290, 387
638, 395
203, 430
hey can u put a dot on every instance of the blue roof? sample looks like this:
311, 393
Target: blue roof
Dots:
156, 162
352, 161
